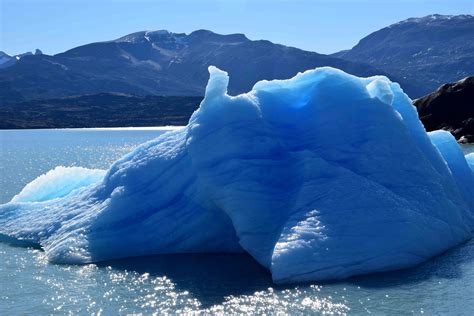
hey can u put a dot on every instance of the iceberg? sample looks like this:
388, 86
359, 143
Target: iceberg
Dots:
321, 176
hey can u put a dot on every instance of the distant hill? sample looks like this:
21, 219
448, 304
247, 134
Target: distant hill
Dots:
451, 108
160, 63
100, 110
427, 52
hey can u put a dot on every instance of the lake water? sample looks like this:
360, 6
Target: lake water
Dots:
192, 283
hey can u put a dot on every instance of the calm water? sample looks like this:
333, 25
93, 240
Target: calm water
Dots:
192, 283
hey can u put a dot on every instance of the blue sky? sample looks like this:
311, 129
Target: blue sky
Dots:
324, 26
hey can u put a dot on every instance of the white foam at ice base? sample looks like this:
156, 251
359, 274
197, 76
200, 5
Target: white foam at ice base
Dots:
322, 176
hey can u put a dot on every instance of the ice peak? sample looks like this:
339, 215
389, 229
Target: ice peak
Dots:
218, 82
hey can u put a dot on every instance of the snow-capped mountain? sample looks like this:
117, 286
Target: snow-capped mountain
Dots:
427, 51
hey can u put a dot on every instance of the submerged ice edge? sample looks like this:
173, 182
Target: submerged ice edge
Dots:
322, 176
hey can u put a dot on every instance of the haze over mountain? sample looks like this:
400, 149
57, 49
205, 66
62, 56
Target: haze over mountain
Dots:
427, 51
160, 63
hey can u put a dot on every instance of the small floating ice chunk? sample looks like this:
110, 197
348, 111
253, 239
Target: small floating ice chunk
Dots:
58, 183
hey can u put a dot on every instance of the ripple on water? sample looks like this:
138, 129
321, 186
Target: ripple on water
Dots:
110, 289
193, 284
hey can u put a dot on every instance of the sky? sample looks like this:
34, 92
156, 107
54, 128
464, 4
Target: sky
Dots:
324, 26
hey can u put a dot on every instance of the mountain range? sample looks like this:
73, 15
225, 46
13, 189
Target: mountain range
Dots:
419, 53
160, 63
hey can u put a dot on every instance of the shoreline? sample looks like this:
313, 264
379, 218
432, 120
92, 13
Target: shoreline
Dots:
128, 128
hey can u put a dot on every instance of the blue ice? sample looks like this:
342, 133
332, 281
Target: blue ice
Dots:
322, 176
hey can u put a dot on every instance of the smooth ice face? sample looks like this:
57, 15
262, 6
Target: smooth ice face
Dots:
457, 163
470, 160
321, 176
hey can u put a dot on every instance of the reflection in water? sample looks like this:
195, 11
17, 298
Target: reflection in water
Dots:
210, 277
190, 283
224, 283
445, 266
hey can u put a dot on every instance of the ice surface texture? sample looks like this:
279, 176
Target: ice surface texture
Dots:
322, 176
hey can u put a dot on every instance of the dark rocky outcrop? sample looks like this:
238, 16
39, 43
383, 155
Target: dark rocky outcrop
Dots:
451, 108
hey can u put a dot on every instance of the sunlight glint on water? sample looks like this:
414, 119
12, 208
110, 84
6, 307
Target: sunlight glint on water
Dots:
191, 283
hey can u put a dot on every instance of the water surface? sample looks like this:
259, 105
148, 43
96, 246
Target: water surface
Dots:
192, 283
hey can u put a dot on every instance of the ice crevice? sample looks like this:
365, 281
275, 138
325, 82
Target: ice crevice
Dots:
321, 176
